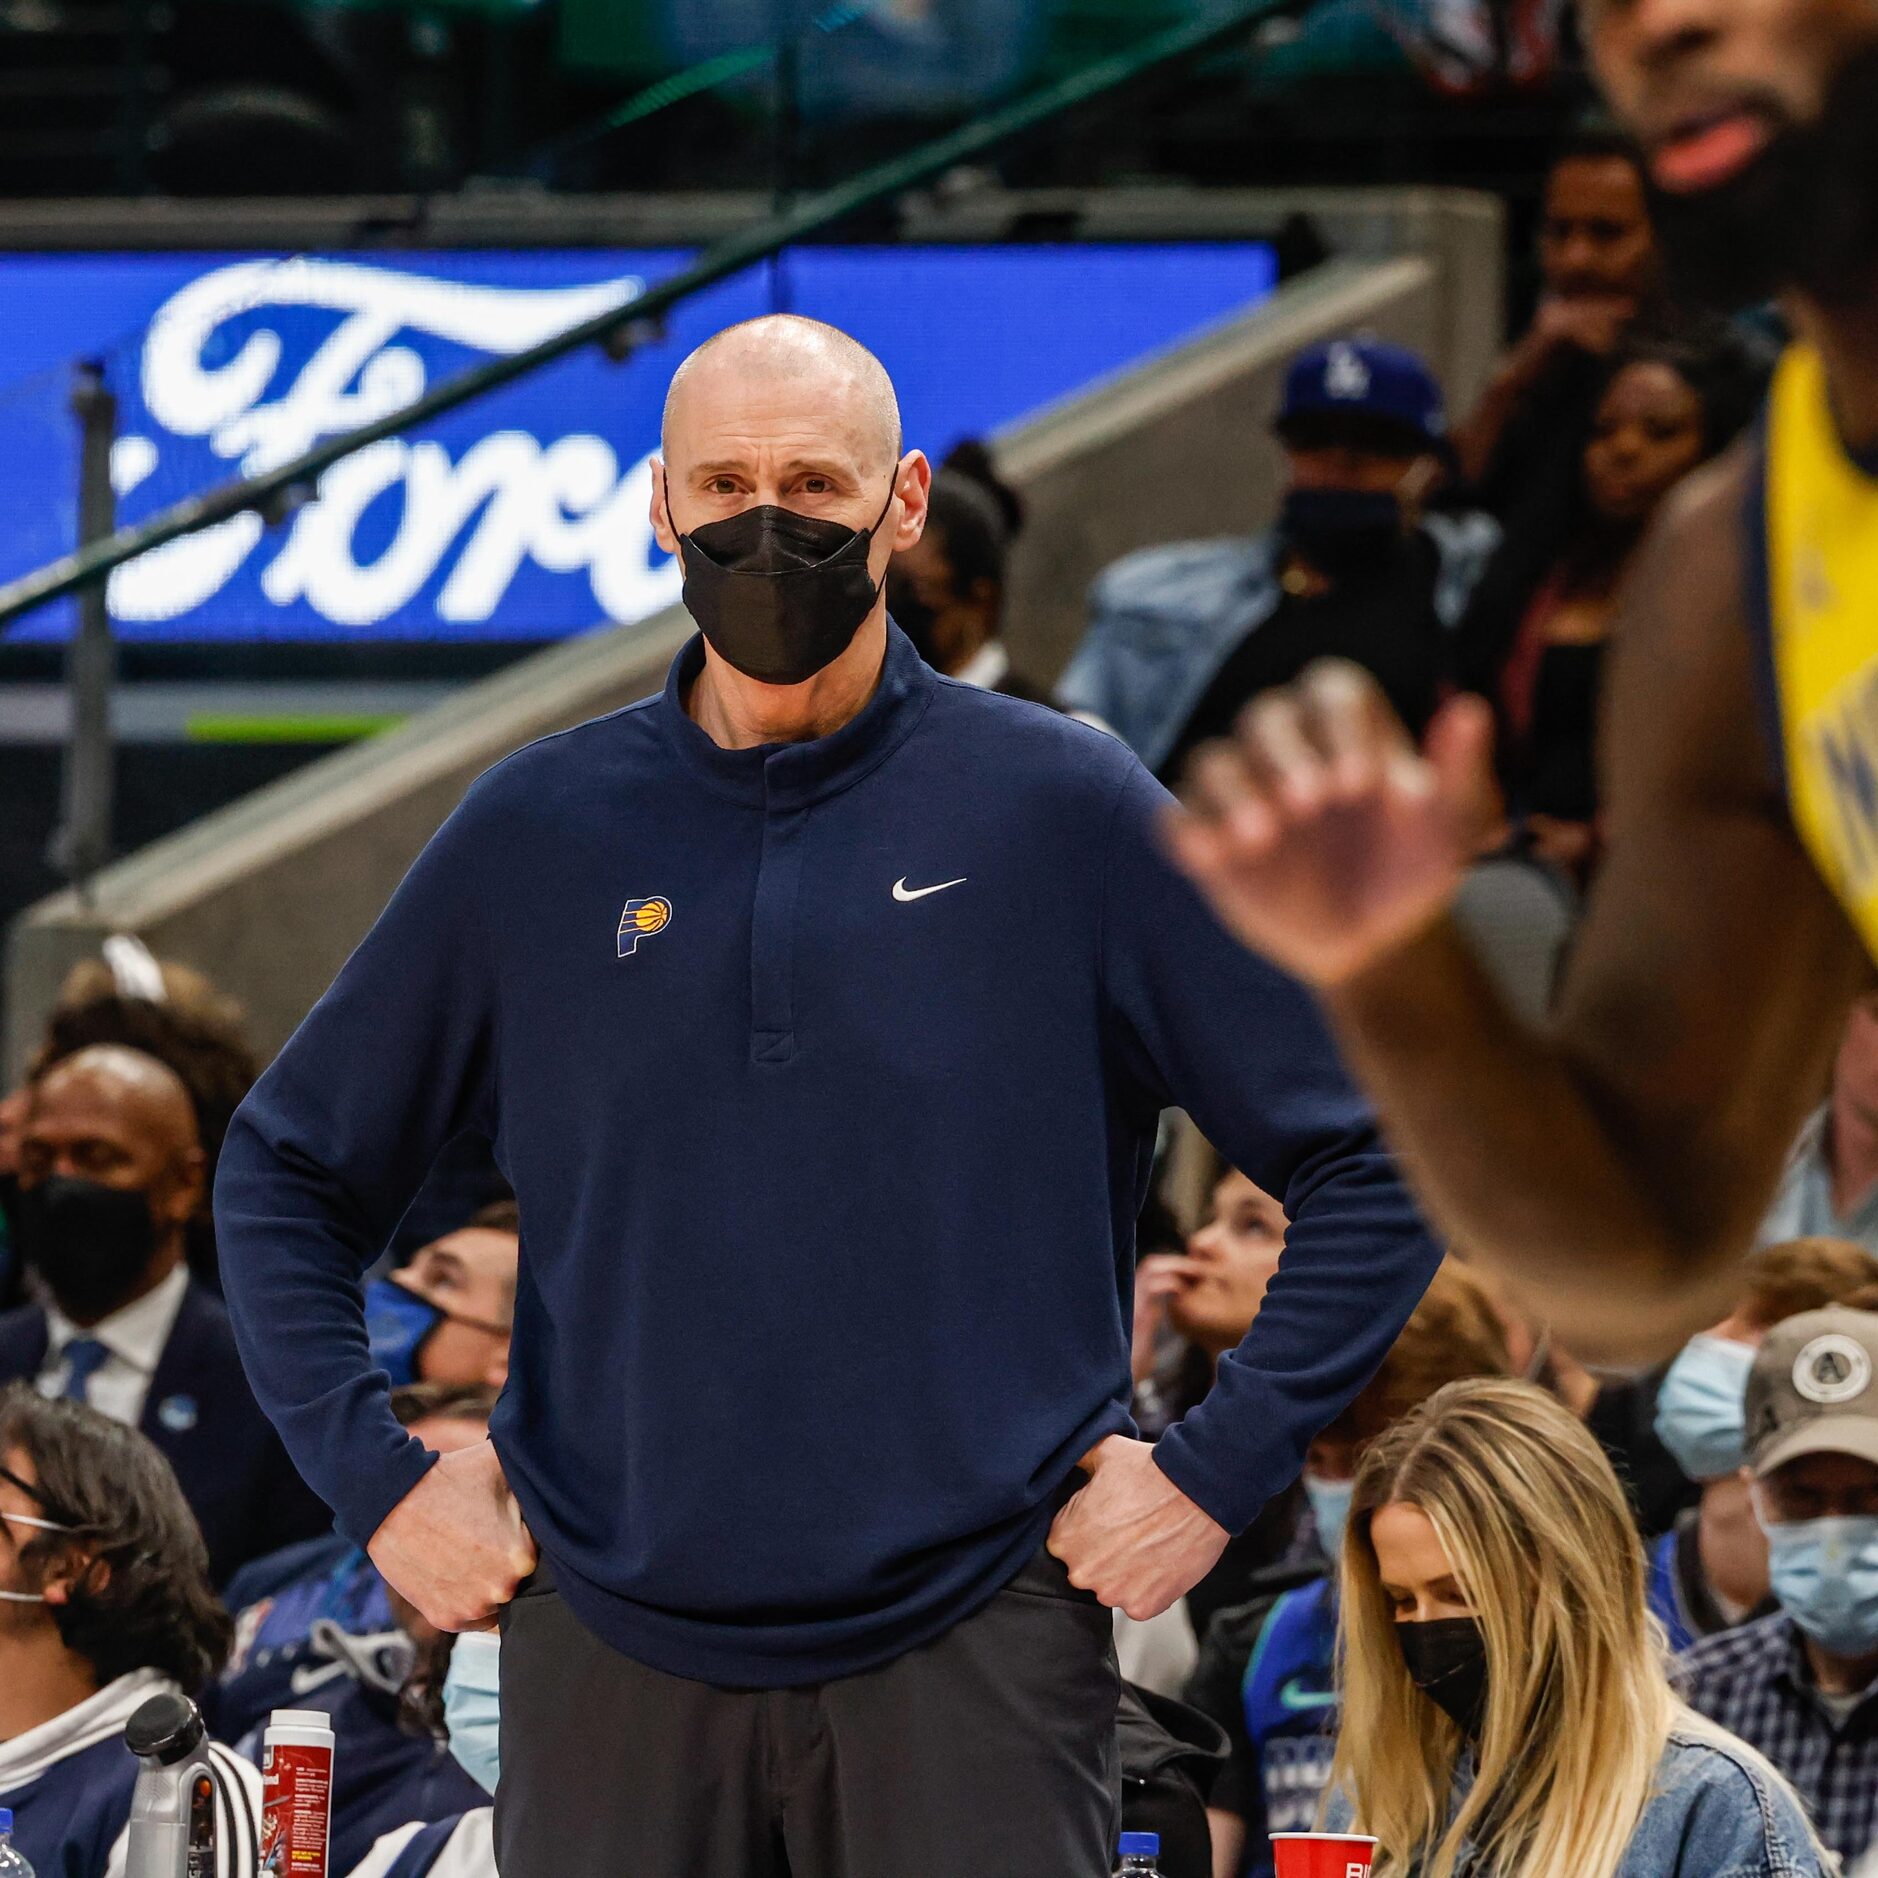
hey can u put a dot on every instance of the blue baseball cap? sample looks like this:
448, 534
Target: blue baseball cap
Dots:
1382, 387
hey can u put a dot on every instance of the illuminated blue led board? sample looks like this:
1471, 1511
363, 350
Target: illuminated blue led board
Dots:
524, 516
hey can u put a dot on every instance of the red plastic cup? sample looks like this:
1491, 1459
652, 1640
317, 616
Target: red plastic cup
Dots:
1322, 1854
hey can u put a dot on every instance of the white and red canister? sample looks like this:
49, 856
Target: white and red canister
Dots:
296, 1793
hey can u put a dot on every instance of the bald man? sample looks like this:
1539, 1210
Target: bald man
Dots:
111, 1174
821, 1011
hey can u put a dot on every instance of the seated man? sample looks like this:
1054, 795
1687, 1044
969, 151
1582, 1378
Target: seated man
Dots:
1598, 267
1802, 1685
110, 1175
1709, 1572
444, 1315
167, 1010
107, 1602
1181, 637
316, 1628
1267, 1667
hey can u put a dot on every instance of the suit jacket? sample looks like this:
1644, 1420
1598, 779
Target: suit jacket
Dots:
200, 1412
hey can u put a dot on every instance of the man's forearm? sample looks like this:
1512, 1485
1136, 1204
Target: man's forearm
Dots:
292, 1284
1521, 1159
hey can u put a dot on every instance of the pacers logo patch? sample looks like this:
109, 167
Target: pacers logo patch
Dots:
640, 920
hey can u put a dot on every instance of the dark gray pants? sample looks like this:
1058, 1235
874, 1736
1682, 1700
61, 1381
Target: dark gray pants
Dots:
989, 1753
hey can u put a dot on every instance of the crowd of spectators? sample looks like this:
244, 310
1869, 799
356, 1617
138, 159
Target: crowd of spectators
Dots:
1480, 551
157, 1536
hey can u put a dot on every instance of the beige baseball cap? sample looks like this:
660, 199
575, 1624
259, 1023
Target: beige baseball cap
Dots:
1814, 1389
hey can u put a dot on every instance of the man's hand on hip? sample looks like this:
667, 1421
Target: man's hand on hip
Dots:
1131, 1536
455, 1545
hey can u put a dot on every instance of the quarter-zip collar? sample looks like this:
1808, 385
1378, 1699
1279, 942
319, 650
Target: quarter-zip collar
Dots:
782, 777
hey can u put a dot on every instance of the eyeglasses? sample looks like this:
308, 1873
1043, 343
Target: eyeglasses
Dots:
32, 1493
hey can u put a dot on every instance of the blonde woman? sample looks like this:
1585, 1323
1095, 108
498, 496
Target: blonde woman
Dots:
1505, 1710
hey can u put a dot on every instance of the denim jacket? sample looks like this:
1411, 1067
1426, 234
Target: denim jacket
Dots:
1163, 621
1713, 1813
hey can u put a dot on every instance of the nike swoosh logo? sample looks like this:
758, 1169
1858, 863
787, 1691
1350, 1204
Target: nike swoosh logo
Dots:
1296, 1698
907, 895
310, 1676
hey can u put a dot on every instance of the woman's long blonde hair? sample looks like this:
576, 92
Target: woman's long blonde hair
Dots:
1578, 1712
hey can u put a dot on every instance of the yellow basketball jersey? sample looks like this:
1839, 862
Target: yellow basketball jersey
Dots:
1821, 620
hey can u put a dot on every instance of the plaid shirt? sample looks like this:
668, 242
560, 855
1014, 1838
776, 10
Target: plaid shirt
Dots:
1755, 1682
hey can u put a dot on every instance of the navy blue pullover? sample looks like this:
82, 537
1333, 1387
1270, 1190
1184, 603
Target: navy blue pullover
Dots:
827, 1077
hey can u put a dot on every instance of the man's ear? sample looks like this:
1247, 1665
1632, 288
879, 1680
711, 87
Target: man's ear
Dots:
187, 1183
662, 530
912, 483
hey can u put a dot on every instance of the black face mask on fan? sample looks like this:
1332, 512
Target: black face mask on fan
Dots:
1342, 532
1447, 1662
913, 617
91, 1243
780, 595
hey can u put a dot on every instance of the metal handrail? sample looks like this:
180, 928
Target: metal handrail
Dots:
276, 492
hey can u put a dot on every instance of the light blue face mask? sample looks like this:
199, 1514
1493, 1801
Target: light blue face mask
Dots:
1825, 1574
1701, 1413
472, 1706
1330, 1508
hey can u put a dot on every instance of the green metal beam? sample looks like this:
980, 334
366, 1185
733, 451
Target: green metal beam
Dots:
279, 490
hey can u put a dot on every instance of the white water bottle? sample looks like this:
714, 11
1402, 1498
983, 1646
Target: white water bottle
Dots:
13, 1862
1141, 1855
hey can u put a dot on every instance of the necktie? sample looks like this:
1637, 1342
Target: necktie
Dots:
83, 1357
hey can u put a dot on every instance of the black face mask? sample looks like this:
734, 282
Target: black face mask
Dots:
1804, 213
1342, 531
1447, 1662
91, 1243
780, 595
913, 617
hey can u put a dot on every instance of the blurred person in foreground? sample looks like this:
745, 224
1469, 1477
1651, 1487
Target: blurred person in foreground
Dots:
1505, 1707
1617, 1160
104, 1602
111, 1171
1267, 1669
1830, 1186
713, 973
1802, 1684
1180, 637
946, 591
1709, 1573
1617, 1406
1599, 273
1535, 639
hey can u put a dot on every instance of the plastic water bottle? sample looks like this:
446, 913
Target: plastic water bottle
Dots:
1141, 1855
13, 1862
